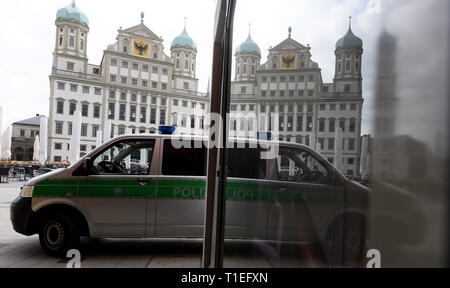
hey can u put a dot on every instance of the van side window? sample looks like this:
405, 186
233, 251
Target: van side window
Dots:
129, 157
246, 163
184, 161
297, 165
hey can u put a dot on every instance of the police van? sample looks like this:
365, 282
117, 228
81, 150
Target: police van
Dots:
145, 186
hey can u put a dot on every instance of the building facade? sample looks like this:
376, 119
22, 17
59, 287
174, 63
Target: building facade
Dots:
137, 87
22, 139
289, 85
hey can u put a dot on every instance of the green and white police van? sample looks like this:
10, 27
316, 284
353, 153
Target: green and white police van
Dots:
143, 186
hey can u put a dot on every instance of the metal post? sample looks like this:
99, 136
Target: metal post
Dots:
213, 245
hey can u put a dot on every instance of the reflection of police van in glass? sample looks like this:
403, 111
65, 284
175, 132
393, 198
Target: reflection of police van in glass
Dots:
141, 186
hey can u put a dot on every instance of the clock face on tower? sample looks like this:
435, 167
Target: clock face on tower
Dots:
288, 61
140, 48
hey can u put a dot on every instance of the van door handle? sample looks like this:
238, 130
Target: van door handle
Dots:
143, 182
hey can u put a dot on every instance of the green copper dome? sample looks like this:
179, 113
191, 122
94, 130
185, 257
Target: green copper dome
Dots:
349, 39
248, 46
72, 12
184, 40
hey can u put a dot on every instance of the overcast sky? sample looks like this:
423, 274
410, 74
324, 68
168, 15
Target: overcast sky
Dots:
28, 30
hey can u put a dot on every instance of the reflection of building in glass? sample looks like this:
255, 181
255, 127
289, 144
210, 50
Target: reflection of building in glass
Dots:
136, 86
22, 141
290, 84
385, 105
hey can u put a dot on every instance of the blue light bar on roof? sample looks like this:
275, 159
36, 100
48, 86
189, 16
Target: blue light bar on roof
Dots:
264, 135
168, 130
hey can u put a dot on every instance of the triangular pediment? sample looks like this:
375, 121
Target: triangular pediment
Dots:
289, 44
141, 31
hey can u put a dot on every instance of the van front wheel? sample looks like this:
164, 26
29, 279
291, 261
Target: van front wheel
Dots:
59, 234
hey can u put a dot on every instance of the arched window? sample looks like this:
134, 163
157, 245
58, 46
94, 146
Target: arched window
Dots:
18, 154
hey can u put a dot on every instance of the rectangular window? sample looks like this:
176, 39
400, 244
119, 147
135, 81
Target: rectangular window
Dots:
299, 123
353, 107
321, 125
233, 108
184, 161
342, 124
58, 146
121, 130
84, 110
282, 93
264, 79
263, 93
60, 107
96, 111
331, 125
122, 112
61, 86
135, 66
113, 62
145, 68
162, 116
70, 66
111, 108
163, 86
152, 115
112, 78
84, 128
342, 107
134, 81
175, 102
69, 130
202, 106
332, 107
292, 79
164, 72
83, 148
347, 87
301, 78
155, 70
272, 93
143, 114
57, 159
310, 93
58, 128
291, 93
273, 79
72, 108
86, 89
22, 133
282, 79
330, 143
73, 87
98, 91
124, 64
94, 130
251, 107
352, 126
133, 113
192, 122
290, 120
144, 83
124, 80
351, 144
154, 85
311, 78
309, 124
322, 107
301, 93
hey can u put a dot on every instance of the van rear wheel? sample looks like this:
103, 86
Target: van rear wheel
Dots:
58, 234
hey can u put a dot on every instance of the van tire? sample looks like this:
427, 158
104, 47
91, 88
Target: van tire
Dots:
352, 241
58, 234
